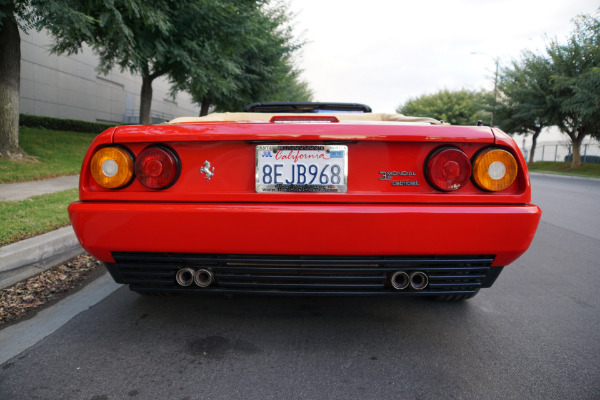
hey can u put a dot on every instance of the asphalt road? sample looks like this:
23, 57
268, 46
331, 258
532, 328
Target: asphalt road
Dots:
534, 335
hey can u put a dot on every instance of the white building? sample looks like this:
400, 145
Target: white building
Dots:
71, 87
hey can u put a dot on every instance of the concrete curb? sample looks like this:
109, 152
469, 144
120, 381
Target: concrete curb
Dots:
28, 257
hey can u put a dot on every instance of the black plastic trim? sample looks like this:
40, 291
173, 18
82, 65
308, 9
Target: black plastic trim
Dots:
304, 275
305, 107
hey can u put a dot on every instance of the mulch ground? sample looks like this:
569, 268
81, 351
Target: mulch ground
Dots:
25, 298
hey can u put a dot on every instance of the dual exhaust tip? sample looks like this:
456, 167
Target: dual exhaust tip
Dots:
401, 280
202, 277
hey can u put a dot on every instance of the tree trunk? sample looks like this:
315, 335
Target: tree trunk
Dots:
10, 76
534, 138
204, 106
146, 98
577, 149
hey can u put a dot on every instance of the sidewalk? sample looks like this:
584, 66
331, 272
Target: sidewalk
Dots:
23, 190
26, 258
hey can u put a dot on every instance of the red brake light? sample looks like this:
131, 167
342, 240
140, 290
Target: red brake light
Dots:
448, 169
157, 167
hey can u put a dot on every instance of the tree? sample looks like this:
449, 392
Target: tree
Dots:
462, 107
575, 79
155, 38
278, 83
524, 105
32, 14
259, 68
10, 76
131, 33
14, 14
267, 72
291, 88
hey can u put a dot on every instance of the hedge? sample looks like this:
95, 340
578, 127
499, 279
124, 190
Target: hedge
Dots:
584, 159
59, 124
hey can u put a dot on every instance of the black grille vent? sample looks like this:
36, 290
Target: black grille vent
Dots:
308, 275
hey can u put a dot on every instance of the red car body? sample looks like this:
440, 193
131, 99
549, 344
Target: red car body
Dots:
390, 225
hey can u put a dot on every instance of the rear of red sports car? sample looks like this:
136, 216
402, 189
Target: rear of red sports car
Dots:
305, 204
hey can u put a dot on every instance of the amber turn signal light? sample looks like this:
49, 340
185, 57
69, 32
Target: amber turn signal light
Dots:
494, 169
112, 167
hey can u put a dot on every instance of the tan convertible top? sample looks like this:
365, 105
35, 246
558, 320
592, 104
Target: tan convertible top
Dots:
220, 117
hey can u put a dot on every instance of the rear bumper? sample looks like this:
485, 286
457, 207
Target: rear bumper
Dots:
310, 229
330, 249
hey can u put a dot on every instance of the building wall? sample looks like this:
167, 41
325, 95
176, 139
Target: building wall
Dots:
71, 87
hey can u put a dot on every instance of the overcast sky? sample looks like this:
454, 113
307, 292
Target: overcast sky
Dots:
382, 53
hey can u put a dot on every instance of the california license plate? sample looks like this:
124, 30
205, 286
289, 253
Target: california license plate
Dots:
301, 168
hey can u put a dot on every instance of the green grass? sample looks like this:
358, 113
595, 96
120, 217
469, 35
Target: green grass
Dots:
58, 153
33, 216
564, 168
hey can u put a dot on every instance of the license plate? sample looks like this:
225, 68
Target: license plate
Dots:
301, 168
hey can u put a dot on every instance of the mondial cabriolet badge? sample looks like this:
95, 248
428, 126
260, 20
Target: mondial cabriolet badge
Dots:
407, 178
387, 175
207, 170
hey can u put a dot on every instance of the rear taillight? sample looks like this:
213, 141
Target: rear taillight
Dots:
448, 169
112, 167
157, 167
494, 169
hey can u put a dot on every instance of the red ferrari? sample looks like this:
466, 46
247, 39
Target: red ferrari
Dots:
305, 199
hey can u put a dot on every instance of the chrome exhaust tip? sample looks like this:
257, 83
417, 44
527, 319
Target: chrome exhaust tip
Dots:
400, 280
418, 280
204, 277
185, 276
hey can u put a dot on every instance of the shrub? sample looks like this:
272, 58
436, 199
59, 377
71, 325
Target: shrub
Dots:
584, 159
59, 124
